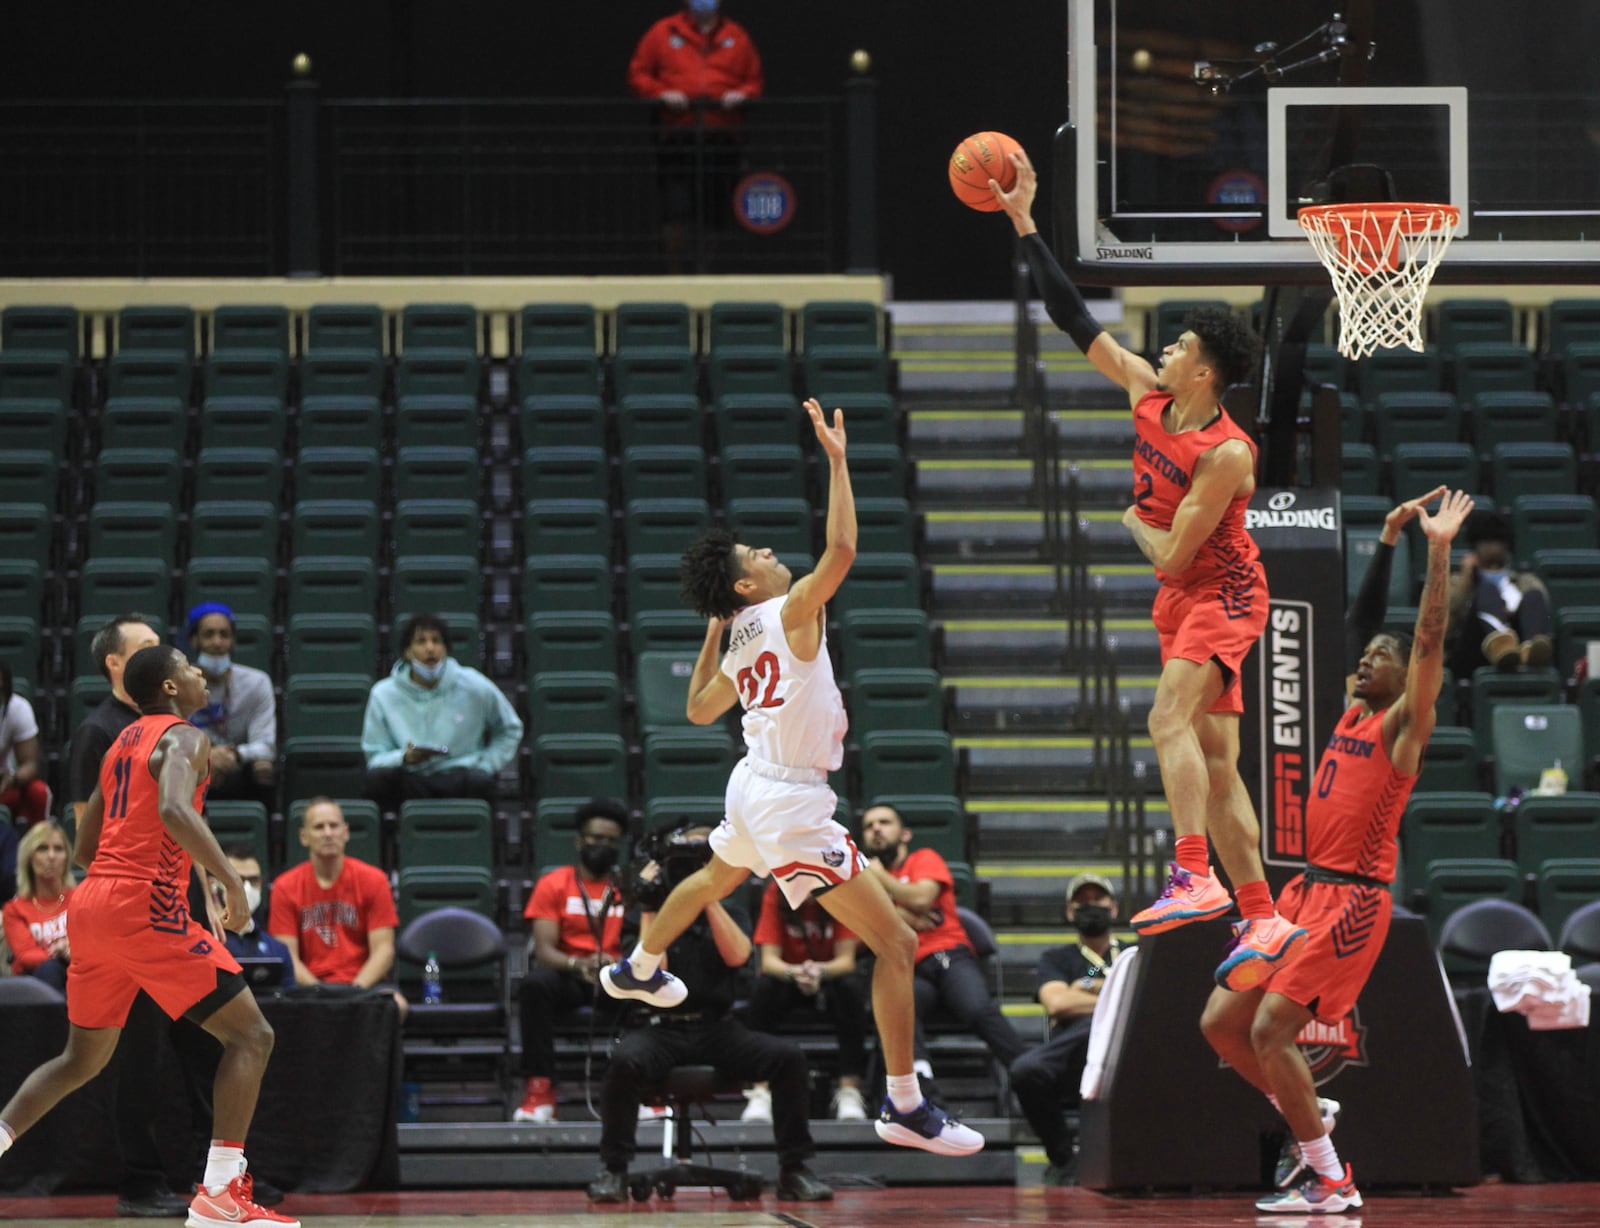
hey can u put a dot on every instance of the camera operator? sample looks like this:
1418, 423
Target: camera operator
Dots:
707, 957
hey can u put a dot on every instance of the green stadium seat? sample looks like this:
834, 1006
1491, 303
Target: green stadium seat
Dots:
1572, 576
663, 473
688, 762
1576, 627
243, 422
558, 326
870, 418
335, 526
666, 631
566, 473
333, 326
1453, 882
1525, 739
656, 325
1532, 469
654, 372
1359, 547
452, 326
454, 831
341, 373
1493, 366
436, 372
28, 475
360, 815
341, 474
885, 526
1568, 320
249, 326
1473, 319
884, 639
332, 644
783, 525
663, 526
834, 371
27, 530
1354, 419
661, 812
734, 324
1422, 466
441, 584
763, 471
19, 647
750, 370
437, 473
907, 761
147, 373
245, 585
109, 586
425, 889
1547, 521
574, 420
1399, 370
22, 588
340, 421
157, 327
653, 583
1449, 762
749, 419
231, 474
569, 582
1490, 689
1447, 824
325, 705
877, 471
570, 639
562, 526
254, 642
1415, 417
558, 372
1580, 377
580, 765
247, 373
1359, 470
1563, 885
84, 694
43, 327
36, 375
573, 701
896, 699
829, 323
1512, 417
333, 584
436, 422
437, 526
35, 424
880, 582
1548, 827
143, 422
661, 690
1363, 511
236, 823
1325, 365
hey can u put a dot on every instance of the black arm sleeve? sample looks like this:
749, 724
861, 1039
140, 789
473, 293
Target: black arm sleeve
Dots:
1065, 305
1365, 615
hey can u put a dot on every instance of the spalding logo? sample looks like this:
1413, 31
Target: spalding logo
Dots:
1281, 500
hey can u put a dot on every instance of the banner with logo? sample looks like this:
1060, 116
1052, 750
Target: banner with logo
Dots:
1294, 681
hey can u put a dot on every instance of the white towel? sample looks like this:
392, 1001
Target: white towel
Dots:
1541, 986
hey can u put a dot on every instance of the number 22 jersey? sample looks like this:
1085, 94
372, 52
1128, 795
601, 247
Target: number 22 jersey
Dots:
793, 715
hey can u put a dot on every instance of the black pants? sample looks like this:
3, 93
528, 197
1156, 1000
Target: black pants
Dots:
1488, 613
53, 973
841, 1000
952, 979
391, 786
138, 1059
1046, 1081
546, 995
648, 1054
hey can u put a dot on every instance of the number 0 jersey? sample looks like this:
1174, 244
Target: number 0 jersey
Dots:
1163, 467
134, 842
1357, 801
793, 715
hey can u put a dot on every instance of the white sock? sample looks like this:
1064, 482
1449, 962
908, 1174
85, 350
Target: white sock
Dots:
1319, 1153
223, 1164
922, 1067
643, 963
7, 1137
905, 1093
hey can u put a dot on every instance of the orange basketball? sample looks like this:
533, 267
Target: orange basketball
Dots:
981, 157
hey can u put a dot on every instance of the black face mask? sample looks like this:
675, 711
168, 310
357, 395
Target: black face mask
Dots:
598, 859
1092, 920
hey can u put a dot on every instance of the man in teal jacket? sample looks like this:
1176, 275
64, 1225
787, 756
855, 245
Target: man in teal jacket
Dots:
435, 727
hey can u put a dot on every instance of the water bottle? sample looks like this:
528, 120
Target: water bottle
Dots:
432, 991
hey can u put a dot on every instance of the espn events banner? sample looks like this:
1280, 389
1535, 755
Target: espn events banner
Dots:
1294, 680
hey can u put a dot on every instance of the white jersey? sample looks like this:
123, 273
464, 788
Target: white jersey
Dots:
793, 714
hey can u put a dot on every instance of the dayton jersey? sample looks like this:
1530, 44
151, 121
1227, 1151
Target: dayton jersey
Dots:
1359, 797
793, 715
1163, 467
134, 842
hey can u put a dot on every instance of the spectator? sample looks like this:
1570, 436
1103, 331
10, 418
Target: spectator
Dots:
707, 957
808, 962
36, 918
239, 717
255, 942
696, 56
435, 727
22, 788
1499, 614
577, 929
1069, 982
334, 913
947, 971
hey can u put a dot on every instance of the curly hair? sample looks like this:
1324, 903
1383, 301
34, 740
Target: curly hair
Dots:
708, 571
1227, 343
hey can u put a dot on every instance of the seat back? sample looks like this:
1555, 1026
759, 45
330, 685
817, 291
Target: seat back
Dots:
1580, 934
1473, 933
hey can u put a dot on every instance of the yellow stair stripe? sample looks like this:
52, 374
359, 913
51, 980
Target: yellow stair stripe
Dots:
1052, 683
994, 624
981, 517
1029, 869
1041, 743
977, 463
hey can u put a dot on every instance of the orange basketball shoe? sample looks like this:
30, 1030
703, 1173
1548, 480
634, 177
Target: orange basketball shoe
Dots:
1260, 947
1186, 897
233, 1207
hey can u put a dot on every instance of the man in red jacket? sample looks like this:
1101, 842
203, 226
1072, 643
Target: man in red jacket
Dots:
696, 56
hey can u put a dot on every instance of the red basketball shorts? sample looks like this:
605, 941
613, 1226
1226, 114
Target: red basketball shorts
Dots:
125, 937
1219, 622
1345, 931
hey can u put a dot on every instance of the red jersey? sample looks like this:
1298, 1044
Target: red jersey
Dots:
675, 55
332, 923
924, 864
134, 842
31, 927
809, 933
573, 903
1353, 817
1163, 466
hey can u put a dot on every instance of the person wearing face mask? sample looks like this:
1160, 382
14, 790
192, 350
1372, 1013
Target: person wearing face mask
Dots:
255, 942
1499, 614
1069, 979
239, 718
435, 727
576, 913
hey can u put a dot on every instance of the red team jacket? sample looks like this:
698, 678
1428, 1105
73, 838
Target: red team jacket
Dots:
674, 55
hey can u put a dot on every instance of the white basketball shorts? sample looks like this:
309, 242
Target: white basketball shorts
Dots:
779, 821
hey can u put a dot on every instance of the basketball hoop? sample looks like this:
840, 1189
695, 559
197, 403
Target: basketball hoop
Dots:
1382, 258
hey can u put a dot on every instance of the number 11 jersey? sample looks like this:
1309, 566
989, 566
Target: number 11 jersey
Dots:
793, 715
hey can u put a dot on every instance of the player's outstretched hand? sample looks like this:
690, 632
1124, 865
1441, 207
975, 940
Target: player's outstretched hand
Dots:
1018, 203
830, 437
1447, 521
1406, 512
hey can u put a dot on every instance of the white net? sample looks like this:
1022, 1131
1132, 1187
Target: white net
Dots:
1382, 258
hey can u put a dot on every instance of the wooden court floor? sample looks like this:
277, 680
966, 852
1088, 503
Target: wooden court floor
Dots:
1489, 1206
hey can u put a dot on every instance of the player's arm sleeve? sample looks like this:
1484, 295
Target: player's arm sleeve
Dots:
1062, 302
1365, 615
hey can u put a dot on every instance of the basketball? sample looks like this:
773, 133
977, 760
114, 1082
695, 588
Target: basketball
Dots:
981, 157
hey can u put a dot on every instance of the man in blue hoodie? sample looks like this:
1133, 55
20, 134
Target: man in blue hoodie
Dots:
435, 727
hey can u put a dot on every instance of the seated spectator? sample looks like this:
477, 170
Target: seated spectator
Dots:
1499, 614
435, 727
334, 913
36, 918
240, 716
22, 787
808, 962
1069, 981
577, 929
255, 942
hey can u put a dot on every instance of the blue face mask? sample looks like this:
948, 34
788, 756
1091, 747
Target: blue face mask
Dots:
427, 673
703, 8
214, 665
